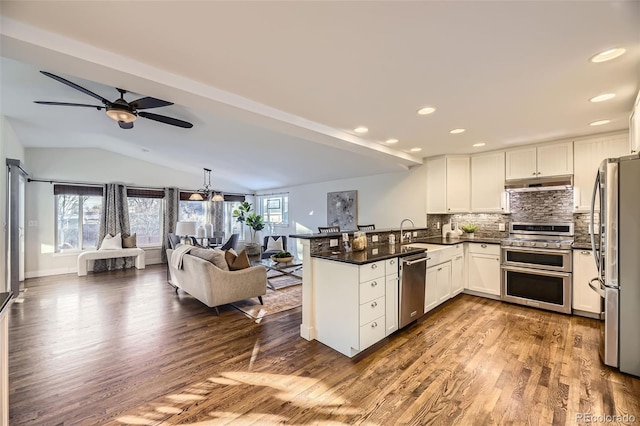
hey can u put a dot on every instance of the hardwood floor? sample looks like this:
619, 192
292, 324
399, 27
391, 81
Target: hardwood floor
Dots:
123, 348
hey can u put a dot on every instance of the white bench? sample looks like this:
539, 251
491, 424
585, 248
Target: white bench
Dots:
85, 256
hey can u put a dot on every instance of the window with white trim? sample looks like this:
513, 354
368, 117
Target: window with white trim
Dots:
145, 215
275, 210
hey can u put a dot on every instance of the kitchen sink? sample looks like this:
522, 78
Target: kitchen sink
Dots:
429, 247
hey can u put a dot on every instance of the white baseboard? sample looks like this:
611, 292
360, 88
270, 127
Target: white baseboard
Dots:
49, 272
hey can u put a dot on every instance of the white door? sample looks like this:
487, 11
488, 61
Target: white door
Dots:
521, 163
556, 159
444, 282
487, 183
458, 185
484, 273
584, 269
431, 289
457, 275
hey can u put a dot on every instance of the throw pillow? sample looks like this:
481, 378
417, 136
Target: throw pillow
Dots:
274, 245
129, 241
215, 256
111, 242
237, 262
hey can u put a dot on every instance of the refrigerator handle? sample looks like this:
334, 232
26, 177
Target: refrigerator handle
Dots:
597, 289
595, 250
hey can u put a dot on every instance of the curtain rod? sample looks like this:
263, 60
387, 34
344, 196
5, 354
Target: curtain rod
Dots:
71, 182
272, 193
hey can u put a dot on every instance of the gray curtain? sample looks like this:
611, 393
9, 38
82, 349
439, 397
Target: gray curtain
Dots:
171, 205
115, 219
216, 215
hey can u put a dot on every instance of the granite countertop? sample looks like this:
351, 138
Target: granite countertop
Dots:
383, 251
370, 255
463, 239
4, 300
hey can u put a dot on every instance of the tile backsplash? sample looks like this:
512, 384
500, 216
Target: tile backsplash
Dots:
542, 206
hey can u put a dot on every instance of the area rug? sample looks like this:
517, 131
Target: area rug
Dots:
278, 280
275, 301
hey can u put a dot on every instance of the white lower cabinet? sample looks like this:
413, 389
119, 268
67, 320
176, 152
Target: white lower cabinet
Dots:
431, 289
351, 303
457, 275
391, 296
584, 270
483, 268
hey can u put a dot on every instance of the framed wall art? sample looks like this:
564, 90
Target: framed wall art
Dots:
342, 209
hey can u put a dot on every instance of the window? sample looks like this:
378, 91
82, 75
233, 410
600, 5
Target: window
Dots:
275, 210
145, 215
78, 212
203, 212
231, 224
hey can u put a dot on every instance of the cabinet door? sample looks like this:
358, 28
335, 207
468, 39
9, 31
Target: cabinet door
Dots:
520, 163
458, 185
556, 159
634, 127
484, 273
391, 300
431, 289
487, 183
587, 157
436, 185
457, 275
443, 281
584, 269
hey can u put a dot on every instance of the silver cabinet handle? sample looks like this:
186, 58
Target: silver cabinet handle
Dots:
374, 283
439, 269
483, 245
392, 262
587, 253
374, 324
374, 304
459, 257
534, 173
374, 266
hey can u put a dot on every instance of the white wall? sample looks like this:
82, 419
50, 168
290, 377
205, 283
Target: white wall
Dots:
10, 147
83, 165
383, 200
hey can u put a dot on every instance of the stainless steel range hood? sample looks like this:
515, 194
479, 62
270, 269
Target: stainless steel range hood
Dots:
554, 183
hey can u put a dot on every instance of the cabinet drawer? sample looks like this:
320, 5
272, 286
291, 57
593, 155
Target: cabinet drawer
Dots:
372, 332
493, 249
371, 271
372, 310
372, 290
391, 266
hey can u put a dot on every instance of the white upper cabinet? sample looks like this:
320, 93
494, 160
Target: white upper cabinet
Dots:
521, 164
588, 154
448, 184
540, 161
487, 183
634, 127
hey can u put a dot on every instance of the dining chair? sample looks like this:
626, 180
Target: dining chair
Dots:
328, 229
231, 243
366, 227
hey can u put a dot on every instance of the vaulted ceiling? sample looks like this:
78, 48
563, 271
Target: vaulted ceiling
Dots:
275, 89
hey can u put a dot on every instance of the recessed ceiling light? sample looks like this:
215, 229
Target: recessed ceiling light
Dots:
479, 144
361, 129
415, 149
456, 131
391, 141
608, 55
600, 122
603, 97
426, 111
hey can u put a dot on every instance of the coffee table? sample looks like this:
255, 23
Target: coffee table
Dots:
283, 268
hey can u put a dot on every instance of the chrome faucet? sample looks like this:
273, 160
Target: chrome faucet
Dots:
402, 236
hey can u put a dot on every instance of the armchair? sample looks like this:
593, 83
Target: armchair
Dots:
266, 253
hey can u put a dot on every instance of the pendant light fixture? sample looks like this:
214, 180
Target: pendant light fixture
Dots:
203, 192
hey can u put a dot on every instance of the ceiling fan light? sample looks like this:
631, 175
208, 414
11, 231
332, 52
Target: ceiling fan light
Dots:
118, 114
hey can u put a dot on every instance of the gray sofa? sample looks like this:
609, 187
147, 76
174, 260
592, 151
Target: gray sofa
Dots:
213, 286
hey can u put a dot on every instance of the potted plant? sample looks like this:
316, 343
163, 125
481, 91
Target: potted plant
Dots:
253, 221
469, 229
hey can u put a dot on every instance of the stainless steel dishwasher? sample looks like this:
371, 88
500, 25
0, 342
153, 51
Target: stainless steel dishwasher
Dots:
413, 272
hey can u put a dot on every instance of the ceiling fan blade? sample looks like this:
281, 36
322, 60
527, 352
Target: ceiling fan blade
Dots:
75, 86
124, 125
166, 120
98, 107
149, 102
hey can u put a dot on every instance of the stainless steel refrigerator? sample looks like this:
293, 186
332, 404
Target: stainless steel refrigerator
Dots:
616, 251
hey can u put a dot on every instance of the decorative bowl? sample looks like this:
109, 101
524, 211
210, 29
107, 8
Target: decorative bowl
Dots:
283, 259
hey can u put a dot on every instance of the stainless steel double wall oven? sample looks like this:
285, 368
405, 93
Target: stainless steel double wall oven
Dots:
537, 265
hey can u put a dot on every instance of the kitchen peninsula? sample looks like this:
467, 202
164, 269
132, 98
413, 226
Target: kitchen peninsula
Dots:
350, 299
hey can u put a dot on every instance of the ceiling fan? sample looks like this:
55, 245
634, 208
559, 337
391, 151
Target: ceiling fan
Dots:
125, 113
